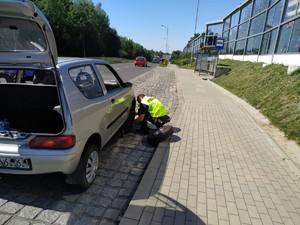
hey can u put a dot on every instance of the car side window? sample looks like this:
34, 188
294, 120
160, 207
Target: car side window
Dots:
85, 79
111, 82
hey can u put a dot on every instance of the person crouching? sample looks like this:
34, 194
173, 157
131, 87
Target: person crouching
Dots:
152, 110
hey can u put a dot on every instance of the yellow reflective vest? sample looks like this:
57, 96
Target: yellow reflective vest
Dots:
155, 107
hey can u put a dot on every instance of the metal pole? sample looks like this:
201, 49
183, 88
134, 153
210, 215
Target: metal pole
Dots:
167, 44
196, 17
167, 48
193, 46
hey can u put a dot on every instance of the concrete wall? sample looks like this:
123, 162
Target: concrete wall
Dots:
292, 61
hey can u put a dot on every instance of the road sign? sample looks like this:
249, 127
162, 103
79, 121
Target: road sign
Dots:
219, 44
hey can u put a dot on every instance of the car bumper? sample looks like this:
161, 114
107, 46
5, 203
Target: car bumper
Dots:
43, 161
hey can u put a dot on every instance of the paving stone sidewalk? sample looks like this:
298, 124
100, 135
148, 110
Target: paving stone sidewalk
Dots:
219, 167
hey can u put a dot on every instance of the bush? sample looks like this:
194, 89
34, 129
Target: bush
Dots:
182, 61
164, 63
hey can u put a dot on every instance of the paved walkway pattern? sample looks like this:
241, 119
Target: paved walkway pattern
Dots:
219, 167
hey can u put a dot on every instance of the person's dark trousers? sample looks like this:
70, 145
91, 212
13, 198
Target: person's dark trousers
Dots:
144, 127
159, 121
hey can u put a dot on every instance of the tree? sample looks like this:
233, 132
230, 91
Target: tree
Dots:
175, 55
82, 29
56, 13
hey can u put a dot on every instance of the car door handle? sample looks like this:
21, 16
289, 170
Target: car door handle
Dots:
113, 101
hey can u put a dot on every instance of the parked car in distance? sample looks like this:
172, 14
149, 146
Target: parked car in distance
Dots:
56, 113
156, 59
140, 61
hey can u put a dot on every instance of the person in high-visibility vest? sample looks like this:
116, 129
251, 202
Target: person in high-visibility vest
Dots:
152, 110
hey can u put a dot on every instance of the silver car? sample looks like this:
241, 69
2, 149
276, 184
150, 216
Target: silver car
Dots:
56, 113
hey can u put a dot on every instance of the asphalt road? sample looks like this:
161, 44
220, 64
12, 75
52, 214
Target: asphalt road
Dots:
128, 71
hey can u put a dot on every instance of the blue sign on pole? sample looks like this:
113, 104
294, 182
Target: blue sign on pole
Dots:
219, 44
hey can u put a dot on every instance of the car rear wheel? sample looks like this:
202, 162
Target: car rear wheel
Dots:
91, 165
87, 169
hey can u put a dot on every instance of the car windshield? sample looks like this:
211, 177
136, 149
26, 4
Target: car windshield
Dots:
140, 59
20, 35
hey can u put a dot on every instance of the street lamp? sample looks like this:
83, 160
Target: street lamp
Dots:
196, 17
167, 48
192, 52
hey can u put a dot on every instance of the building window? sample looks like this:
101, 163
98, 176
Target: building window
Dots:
268, 42
225, 36
226, 47
292, 9
227, 23
253, 45
289, 39
246, 13
232, 33
239, 48
235, 19
215, 29
231, 47
243, 29
274, 14
257, 24
259, 6
295, 38
272, 2
210, 40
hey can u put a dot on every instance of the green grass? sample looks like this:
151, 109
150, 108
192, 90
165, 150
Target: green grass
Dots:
269, 89
116, 60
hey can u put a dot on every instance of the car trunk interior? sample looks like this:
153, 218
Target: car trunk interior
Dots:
30, 108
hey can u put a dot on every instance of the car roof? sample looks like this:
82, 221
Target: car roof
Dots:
63, 60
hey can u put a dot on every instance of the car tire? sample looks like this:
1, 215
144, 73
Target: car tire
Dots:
160, 135
87, 168
131, 115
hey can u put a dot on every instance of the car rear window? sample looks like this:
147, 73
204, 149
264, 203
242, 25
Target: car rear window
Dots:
21, 35
84, 77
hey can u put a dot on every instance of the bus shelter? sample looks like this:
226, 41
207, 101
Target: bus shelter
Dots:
207, 60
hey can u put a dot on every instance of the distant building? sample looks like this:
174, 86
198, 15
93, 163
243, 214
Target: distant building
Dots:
261, 31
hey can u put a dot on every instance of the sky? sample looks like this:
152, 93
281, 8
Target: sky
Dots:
141, 20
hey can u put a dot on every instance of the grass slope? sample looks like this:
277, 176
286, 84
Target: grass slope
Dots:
269, 89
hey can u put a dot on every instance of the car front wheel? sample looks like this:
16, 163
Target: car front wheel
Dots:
128, 123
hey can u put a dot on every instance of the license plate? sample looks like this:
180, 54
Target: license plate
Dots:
15, 163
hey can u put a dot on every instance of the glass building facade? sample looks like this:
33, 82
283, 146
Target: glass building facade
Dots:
260, 30
193, 46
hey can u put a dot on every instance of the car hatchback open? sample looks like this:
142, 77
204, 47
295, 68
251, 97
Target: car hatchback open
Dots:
56, 113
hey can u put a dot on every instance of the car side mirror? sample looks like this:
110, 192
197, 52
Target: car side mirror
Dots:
128, 84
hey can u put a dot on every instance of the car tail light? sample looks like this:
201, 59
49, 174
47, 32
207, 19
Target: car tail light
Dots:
53, 142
